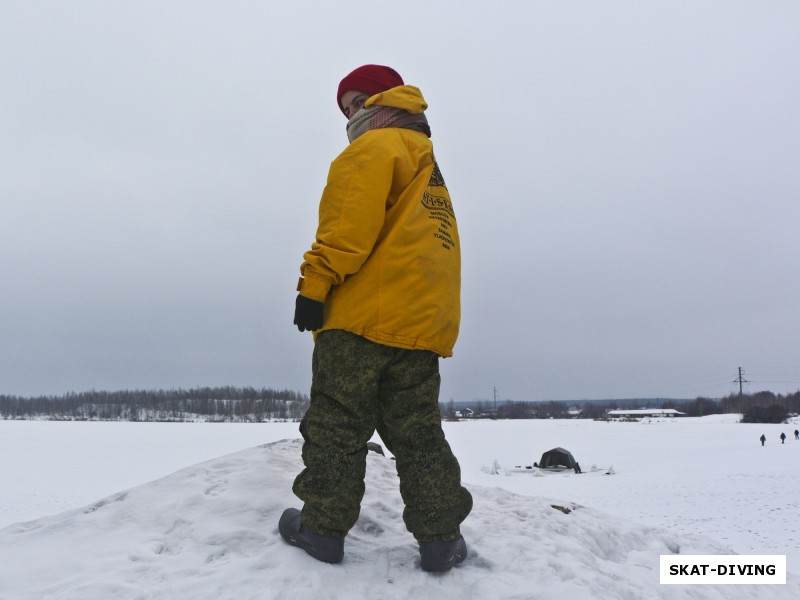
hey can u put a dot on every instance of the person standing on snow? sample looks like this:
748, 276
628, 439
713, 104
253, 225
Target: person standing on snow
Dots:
763, 439
380, 289
796, 434
783, 438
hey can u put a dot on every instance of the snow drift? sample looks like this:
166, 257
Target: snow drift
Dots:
209, 532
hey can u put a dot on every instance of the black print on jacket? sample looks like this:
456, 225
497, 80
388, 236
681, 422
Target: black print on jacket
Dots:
440, 209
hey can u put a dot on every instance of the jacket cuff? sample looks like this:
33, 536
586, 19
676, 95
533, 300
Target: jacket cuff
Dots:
314, 286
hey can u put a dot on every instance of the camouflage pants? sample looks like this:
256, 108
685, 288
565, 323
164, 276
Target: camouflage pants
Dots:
359, 387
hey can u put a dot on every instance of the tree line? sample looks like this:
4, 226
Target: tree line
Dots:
248, 404
761, 407
214, 404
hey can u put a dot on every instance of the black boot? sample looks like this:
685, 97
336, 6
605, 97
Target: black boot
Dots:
441, 556
327, 548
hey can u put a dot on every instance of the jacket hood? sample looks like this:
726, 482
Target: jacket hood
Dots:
406, 97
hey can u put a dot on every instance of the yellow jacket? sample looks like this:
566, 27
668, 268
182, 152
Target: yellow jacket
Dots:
387, 260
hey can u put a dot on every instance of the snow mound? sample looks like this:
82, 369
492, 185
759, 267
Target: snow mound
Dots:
209, 532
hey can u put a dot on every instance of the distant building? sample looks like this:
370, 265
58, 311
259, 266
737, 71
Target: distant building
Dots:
639, 413
465, 413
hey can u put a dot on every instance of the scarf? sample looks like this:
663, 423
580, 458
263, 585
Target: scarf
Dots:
379, 117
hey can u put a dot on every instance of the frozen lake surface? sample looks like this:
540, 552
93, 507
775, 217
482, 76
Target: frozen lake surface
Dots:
708, 482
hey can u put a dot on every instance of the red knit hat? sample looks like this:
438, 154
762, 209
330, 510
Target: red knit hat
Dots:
370, 79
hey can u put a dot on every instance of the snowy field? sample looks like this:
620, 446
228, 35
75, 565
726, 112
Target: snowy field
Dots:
93, 511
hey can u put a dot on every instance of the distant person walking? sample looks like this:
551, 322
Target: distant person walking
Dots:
783, 437
763, 439
796, 434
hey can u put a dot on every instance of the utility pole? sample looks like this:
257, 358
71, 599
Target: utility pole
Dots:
495, 400
740, 380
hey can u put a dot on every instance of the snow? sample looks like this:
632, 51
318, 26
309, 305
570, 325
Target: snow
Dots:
190, 511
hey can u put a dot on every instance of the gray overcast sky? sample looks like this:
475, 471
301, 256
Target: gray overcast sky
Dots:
626, 175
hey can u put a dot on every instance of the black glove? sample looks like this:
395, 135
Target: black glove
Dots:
308, 313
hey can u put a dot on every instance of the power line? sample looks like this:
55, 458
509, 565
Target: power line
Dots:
740, 380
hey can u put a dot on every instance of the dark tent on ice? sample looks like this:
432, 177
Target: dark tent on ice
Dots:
557, 457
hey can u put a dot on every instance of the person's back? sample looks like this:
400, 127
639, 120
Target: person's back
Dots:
380, 289
387, 256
